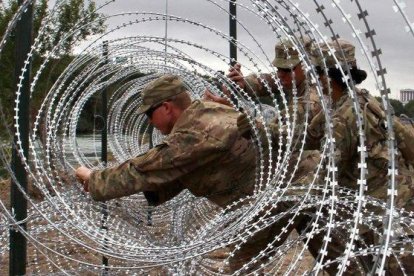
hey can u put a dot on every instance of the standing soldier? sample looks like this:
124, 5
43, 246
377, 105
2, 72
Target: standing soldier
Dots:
291, 71
303, 96
310, 158
348, 158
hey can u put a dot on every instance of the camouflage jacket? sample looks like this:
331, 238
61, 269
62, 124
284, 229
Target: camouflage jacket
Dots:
345, 132
306, 96
256, 85
204, 153
293, 119
289, 129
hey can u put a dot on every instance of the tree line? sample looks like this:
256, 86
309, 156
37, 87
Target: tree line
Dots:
400, 108
74, 20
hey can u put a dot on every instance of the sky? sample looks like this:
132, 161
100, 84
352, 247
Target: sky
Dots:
258, 38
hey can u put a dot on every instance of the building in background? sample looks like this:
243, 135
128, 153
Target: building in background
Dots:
406, 95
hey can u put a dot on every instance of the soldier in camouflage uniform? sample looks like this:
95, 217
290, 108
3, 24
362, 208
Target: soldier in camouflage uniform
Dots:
347, 155
292, 75
203, 152
295, 82
290, 72
345, 134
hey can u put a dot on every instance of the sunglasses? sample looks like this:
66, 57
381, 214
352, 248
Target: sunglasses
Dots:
150, 111
287, 70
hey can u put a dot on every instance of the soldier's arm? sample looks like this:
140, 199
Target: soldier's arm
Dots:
158, 171
260, 86
345, 133
119, 181
253, 84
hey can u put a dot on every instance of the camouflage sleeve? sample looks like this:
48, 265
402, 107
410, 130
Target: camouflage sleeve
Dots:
316, 131
311, 106
345, 134
255, 85
122, 180
158, 171
280, 134
314, 102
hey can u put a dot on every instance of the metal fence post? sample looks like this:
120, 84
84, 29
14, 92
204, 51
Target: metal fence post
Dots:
104, 147
233, 39
18, 243
233, 32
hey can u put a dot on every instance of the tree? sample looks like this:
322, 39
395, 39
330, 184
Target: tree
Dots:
74, 20
396, 105
409, 109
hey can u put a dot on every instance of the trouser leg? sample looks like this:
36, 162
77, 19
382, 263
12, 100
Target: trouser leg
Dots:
335, 249
260, 240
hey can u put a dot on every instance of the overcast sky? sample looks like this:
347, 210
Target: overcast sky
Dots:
395, 42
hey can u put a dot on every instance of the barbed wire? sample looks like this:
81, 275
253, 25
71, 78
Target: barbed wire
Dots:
67, 231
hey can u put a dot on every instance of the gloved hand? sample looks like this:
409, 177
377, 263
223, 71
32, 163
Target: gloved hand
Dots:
243, 126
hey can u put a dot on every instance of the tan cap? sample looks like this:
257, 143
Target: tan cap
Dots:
160, 90
287, 52
345, 59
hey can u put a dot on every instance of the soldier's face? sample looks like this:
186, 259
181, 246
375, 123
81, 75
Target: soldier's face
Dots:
161, 118
288, 76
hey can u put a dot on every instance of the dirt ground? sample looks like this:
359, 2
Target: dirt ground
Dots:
38, 264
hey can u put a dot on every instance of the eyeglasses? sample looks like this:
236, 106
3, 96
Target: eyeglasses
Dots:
287, 70
150, 111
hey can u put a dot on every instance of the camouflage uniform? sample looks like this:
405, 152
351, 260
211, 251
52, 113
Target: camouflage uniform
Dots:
345, 133
307, 100
307, 96
204, 154
346, 142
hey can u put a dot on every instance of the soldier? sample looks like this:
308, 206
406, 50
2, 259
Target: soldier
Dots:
347, 156
307, 165
203, 152
295, 81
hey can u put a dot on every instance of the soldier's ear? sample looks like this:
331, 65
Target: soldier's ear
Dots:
169, 106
